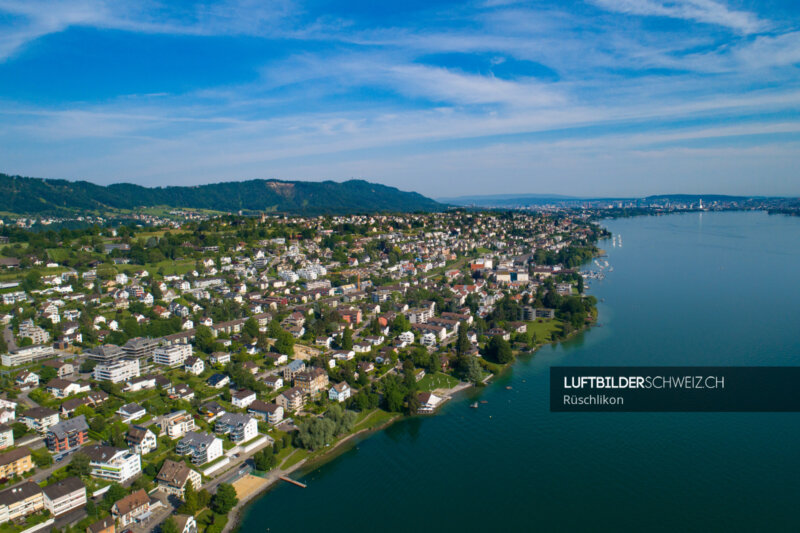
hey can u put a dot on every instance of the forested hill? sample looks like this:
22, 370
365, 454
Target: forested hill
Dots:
57, 197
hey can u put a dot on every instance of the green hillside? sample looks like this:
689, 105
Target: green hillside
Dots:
57, 197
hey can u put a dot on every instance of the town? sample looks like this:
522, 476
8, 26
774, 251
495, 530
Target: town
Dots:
156, 375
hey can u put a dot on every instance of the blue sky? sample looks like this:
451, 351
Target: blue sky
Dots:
587, 98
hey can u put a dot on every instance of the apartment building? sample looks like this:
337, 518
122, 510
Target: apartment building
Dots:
67, 434
201, 447
63, 496
113, 464
15, 463
238, 427
172, 356
177, 424
117, 371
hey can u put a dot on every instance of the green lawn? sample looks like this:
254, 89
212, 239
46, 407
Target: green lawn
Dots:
437, 381
374, 419
544, 328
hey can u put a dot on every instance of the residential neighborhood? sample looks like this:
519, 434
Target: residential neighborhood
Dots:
143, 359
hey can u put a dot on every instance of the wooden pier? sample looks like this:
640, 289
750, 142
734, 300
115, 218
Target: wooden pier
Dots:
293, 481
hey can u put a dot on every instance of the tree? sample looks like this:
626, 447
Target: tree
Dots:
412, 403
265, 460
80, 464
251, 327
470, 369
3, 345
462, 343
347, 339
170, 526
190, 500
499, 350
97, 424
225, 499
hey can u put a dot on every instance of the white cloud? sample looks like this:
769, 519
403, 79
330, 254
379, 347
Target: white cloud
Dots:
705, 11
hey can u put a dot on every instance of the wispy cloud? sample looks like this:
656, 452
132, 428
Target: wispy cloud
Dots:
705, 11
487, 89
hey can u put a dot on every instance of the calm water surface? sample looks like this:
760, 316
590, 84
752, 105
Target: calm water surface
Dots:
693, 289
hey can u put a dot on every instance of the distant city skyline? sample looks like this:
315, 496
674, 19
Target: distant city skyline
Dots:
595, 98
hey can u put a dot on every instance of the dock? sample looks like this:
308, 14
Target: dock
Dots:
293, 481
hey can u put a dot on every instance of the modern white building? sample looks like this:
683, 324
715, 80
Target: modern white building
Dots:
238, 427
117, 371
201, 447
114, 464
172, 356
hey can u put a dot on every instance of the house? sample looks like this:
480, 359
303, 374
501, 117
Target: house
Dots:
312, 381
194, 365
219, 358
339, 392
270, 412
201, 447
62, 388
177, 424
277, 358
131, 508
15, 463
40, 419
292, 399
218, 381
63, 369
106, 525
238, 427
173, 477
63, 496
428, 402
141, 440
273, 382
131, 411
67, 435
8, 411
141, 383
114, 464
181, 392
20, 501
212, 410
292, 369
27, 380
344, 355
362, 347
185, 523
243, 398
6, 436
366, 367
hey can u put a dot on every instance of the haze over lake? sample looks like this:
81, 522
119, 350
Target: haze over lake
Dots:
690, 289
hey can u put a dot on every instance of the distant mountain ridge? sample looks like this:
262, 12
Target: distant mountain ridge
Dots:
32, 196
516, 200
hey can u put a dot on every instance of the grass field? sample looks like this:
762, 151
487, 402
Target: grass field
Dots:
544, 328
437, 381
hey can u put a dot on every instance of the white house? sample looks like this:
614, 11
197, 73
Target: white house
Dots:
194, 365
243, 398
339, 392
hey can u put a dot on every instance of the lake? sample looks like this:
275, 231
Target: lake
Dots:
688, 289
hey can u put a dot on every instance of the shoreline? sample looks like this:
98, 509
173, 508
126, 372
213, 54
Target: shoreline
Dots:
235, 516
